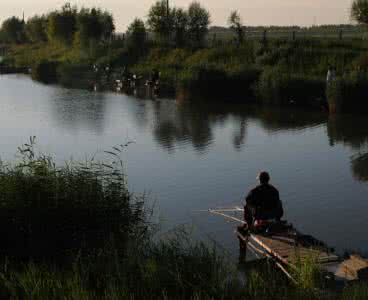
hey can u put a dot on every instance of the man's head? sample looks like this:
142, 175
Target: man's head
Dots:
263, 177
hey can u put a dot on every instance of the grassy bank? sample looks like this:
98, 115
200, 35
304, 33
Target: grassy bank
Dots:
75, 232
276, 72
175, 50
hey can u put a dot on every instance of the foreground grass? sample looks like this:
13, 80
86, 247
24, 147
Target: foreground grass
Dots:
166, 272
75, 232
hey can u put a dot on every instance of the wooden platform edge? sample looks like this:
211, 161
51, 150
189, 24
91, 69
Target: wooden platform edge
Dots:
351, 269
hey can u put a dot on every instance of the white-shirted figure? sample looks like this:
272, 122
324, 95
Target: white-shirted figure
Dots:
331, 74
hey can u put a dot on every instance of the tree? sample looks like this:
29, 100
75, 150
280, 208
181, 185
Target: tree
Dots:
108, 27
236, 25
62, 25
359, 11
160, 19
180, 22
12, 31
137, 35
94, 27
89, 28
35, 29
198, 22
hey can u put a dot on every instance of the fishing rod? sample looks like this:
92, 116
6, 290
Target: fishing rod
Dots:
221, 213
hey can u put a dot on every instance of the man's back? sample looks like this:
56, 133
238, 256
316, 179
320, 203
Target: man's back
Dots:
265, 200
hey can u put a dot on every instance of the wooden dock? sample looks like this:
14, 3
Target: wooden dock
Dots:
288, 248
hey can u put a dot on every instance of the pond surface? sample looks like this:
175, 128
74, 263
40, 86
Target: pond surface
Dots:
191, 157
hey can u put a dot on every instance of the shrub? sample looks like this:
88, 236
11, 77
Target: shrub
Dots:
75, 75
45, 71
277, 86
349, 93
220, 83
50, 212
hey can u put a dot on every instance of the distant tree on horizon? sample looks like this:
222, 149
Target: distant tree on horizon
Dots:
62, 25
94, 26
137, 35
12, 31
181, 22
198, 23
237, 26
160, 20
36, 29
359, 11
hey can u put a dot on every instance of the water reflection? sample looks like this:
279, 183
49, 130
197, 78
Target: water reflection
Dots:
279, 119
78, 109
178, 124
349, 130
193, 122
174, 124
359, 166
239, 135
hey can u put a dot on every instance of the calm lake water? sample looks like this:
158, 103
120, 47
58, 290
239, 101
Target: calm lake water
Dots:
191, 157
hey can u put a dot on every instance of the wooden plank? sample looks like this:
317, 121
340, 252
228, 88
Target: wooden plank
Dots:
289, 253
353, 268
280, 266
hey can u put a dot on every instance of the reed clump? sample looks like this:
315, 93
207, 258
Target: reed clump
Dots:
51, 212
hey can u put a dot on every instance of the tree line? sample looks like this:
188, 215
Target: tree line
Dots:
85, 27
67, 26
89, 27
171, 25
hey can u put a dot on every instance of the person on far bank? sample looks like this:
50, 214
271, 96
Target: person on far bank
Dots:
263, 202
331, 74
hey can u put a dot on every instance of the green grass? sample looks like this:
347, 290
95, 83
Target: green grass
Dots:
49, 211
280, 72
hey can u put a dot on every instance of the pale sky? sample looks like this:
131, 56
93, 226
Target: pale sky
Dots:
253, 12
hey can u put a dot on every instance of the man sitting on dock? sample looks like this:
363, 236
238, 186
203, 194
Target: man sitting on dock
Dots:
263, 202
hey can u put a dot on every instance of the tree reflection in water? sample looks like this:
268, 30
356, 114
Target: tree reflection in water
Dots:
359, 166
74, 109
351, 131
193, 122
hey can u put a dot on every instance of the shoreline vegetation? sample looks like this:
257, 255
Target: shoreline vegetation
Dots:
175, 52
75, 232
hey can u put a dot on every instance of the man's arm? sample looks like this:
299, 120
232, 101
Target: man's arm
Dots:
280, 209
249, 199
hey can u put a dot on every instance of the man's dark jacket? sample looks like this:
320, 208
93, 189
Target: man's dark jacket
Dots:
264, 202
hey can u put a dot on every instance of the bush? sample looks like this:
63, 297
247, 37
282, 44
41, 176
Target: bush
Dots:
311, 58
50, 212
209, 66
277, 86
76, 75
219, 83
349, 94
45, 71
